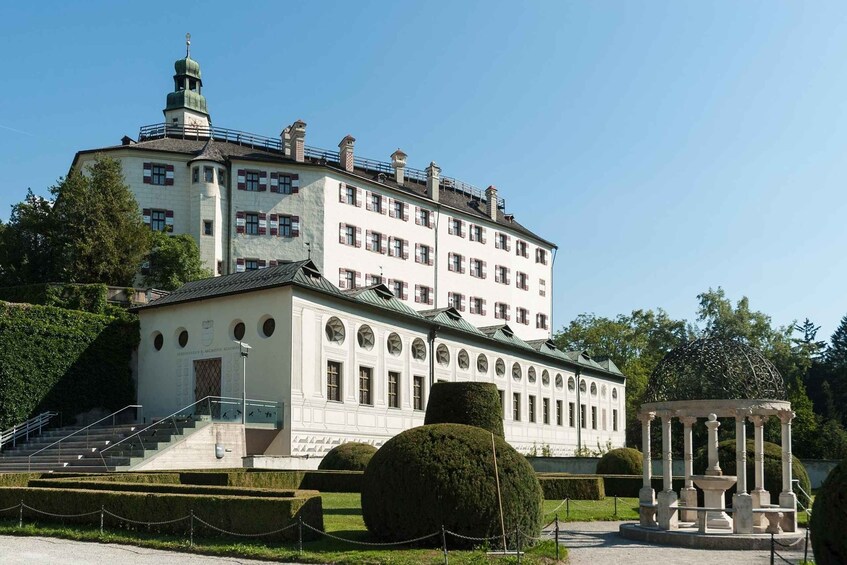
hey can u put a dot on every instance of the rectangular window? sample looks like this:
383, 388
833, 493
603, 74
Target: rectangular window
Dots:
350, 278
375, 279
221, 177
571, 415
393, 389
456, 300
456, 227
582, 420
397, 289
476, 268
425, 218
502, 241
208, 227
208, 174
252, 180
251, 264
376, 203
542, 287
531, 408
195, 174
522, 315
593, 417
521, 280
502, 394
425, 254
350, 195
545, 410
399, 209
477, 305
603, 419
365, 374
476, 233
350, 235
455, 262
558, 412
541, 321
423, 294
333, 381
501, 274
159, 175
614, 419
521, 248
284, 184
418, 393
252, 223
516, 406
501, 311
285, 226
541, 256
157, 220
397, 247
376, 242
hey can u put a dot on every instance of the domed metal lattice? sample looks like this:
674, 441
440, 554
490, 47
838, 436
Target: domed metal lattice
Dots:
715, 368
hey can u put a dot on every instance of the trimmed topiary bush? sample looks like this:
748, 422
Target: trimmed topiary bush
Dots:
472, 404
443, 474
773, 469
575, 487
829, 516
352, 456
621, 461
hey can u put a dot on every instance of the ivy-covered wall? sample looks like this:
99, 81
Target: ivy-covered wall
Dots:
87, 297
64, 360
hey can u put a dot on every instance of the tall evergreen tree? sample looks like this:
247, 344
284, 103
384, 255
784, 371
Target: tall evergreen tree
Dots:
836, 354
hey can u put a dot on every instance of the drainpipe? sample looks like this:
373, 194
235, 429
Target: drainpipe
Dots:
578, 410
228, 251
550, 290
433, 333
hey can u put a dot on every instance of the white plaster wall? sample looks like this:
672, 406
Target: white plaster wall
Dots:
197, 451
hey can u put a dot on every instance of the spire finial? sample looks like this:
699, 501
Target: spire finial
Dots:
187, 45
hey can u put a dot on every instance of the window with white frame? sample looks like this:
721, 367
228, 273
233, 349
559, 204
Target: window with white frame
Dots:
350, 195
521, 280
516, 406
397, 247
522, 315
424, 217
502, 241
542, 287
455, 262
376, 242
501, 311
418, 393
399, 209
157, 220
285, 226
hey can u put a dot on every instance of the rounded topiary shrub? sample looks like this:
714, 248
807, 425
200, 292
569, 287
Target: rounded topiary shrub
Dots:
351, 456
621, 461
472, 404
773, 469
444, 474
829, 516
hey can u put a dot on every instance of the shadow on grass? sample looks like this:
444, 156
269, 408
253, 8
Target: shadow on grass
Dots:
343, 511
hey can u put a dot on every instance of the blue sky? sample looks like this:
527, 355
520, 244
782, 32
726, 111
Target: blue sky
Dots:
667, 147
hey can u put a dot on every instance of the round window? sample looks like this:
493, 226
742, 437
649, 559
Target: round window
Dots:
463, 359
560, 382
183, 338
335, 331
419, 350
545, 377
517, 374
614, 394
500, 368
482, 364
366, 337
158, 341
442, 354
593, 389
268, 327
581, 385
238, 331
530, 375
395, 344
571, 384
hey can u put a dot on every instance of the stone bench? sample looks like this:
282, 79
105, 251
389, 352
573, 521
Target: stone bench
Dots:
774, 513
702, 513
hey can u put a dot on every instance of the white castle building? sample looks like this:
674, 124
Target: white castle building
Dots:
378, 279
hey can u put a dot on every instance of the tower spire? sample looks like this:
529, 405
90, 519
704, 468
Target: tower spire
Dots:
187, 45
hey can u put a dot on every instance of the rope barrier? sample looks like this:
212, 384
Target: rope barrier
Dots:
59, 515
367, 543
205, 523
15, 507
556, 509
130, 520
471, 538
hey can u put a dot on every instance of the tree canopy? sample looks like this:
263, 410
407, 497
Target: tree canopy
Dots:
173, 261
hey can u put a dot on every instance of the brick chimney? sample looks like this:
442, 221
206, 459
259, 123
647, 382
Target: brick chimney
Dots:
285, 141
345, 152
298, 141
398, 161
491, 199
432, 183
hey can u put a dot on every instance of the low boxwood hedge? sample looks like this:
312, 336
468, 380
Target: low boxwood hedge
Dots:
168, 488
324, 481
240, 514
575, 487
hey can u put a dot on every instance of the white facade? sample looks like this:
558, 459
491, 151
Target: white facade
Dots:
291, 367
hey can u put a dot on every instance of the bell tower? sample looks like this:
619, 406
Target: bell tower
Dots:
186, 105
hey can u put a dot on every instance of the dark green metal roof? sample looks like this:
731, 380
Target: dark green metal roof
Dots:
187, 67
505, 334
186, 99
449, 317
379, 295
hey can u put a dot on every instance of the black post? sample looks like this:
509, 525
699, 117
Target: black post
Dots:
300, 534
616, 505
557, 537
772, 549
191, 531
101, 519
444, 544
567, 508
21, 516
806, 547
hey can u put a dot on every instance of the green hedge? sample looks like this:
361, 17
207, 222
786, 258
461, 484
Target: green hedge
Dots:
62, 360
351, 456
166, 488
86, 297
621, 461
324, 481
469, 403
240, 514
828, 518
575, 487
629, 485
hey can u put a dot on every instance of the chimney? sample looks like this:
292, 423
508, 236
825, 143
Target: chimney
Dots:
491, 198
285, 139
345, 152
298, 141
398, 162
432, 173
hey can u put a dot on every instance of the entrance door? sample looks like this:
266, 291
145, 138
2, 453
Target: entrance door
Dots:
207, 382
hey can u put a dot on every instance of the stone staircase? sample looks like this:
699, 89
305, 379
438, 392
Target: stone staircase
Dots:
80, 453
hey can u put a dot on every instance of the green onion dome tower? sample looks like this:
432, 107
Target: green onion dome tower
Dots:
186, 106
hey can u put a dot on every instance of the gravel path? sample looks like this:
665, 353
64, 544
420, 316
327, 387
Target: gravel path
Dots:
16, 550
598, 543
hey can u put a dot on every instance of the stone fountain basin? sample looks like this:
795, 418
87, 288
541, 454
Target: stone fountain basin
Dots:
714, 482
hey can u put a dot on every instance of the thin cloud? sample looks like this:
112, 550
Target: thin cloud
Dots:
17, 130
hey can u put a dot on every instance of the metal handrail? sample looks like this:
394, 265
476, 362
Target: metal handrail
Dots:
172, 419
25, 428
85, 429
796, 483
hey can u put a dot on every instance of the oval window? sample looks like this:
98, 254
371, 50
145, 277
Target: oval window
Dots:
593, 389
500, 368
419, 350
463, 359
158, 341
183, 338
395, 344
366, 338
517, 374
545, 377
442, 354
335, 331
482, 364
238, 331
581, 386
614, 394
268, 327
571, 384
560, 382
530, 375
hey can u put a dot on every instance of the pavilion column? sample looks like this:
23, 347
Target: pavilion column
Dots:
646, 496
689, 493
787, 498
667, 500
761, 497
742, 502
